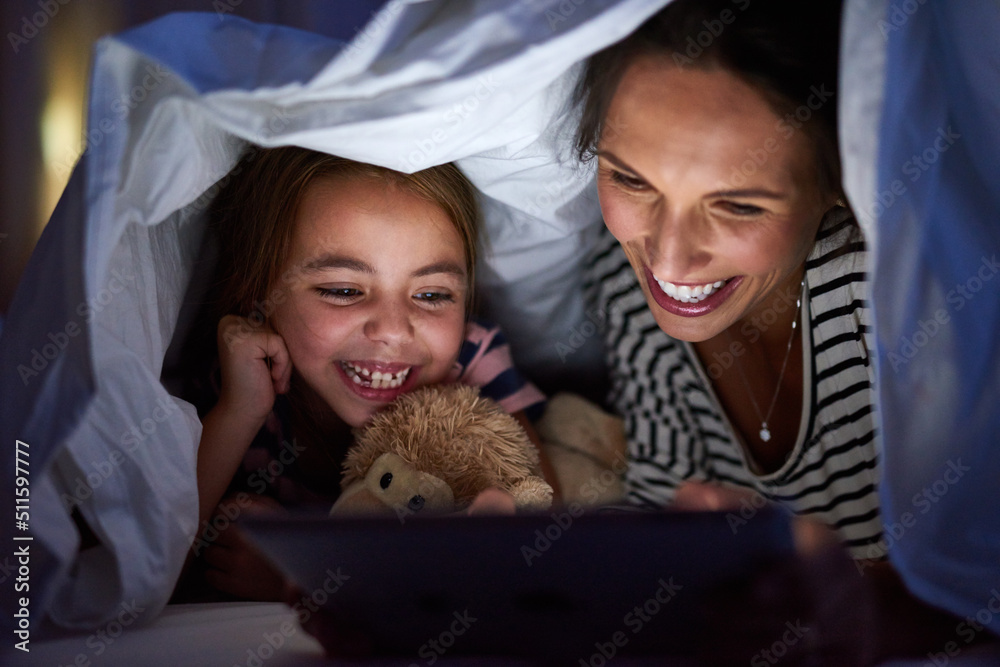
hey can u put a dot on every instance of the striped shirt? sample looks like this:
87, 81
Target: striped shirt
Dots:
485, 361
677, 430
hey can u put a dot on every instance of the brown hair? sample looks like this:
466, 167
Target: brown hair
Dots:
254, 215
783, 48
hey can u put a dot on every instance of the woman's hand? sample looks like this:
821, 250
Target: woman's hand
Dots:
255, 367
814, 608
847, 612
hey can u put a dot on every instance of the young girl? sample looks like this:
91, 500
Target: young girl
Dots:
344, 285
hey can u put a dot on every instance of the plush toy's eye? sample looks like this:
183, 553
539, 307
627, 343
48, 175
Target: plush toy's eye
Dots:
416, 503
386, 480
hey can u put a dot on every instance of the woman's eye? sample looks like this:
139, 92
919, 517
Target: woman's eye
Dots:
339, 293
626, 181
746, 210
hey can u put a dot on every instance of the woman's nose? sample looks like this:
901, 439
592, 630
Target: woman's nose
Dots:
677, 245
389, 322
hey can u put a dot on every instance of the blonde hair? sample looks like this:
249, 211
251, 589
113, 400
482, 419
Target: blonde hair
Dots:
254, 216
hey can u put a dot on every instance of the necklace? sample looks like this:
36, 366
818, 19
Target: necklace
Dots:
765, 432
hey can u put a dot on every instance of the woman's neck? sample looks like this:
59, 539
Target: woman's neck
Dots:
755, 363
768, 326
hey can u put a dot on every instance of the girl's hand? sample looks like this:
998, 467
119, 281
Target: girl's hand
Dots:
492, 501
255, 367
238, 568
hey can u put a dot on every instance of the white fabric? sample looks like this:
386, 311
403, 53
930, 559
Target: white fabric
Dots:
172, 104
222, 633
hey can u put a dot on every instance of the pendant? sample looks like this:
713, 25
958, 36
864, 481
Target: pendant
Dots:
765, 434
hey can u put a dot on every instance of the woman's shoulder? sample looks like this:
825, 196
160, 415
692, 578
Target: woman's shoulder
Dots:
839, 241
837, 267
837, 274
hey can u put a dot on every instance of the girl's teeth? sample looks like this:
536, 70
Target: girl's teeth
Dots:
688, 294
375, 379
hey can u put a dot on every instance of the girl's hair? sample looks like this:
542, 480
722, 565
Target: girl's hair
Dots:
253, 216
785, 49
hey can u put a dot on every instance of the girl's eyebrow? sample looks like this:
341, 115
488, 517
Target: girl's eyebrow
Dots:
440, 267
325, 262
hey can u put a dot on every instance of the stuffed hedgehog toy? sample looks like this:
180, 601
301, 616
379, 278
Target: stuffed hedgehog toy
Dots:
434, 450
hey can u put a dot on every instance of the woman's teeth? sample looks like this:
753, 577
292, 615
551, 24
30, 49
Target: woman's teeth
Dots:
374, 379
688, 294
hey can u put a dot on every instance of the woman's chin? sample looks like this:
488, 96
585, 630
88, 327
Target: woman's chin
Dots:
689, 330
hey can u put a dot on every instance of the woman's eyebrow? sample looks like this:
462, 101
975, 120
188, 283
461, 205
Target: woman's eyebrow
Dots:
749, 192
617, 161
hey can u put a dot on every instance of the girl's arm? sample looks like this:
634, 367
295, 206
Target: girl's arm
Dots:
225, 437
255, 368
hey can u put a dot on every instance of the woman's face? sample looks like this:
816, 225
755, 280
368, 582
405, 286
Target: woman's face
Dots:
374, 293
709, 192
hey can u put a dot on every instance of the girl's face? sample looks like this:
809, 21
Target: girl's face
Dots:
709, 192
373, 294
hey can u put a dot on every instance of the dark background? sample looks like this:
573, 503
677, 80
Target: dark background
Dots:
45, 61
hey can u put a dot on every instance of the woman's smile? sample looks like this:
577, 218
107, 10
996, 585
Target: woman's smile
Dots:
687, 300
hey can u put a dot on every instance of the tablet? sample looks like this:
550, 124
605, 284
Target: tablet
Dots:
585, 587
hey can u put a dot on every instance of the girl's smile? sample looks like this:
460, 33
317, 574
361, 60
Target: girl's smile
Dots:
377, 381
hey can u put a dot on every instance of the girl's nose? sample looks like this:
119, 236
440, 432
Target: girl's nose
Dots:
389, 323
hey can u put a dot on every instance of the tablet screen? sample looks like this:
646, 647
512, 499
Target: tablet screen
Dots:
543, 585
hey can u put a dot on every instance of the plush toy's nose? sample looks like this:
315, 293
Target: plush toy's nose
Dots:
394, 486
357, 499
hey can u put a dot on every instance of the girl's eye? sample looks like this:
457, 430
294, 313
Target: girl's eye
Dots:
744, 210
339, 293
434, 298
628, 182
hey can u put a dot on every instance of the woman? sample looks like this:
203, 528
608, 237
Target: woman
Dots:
734, 289
738, 341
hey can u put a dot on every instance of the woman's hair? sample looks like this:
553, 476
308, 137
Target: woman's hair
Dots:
785, 49
254, 214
